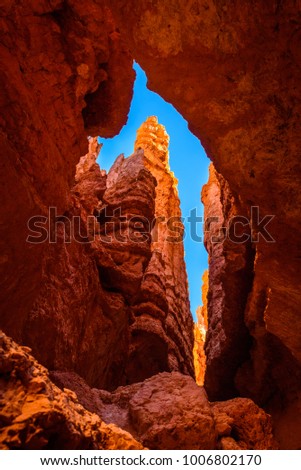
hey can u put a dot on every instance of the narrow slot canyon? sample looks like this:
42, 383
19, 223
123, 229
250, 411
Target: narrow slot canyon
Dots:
116, 333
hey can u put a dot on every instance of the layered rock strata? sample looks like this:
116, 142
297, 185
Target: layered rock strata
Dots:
119, 309
60, 63
167, 266
232, 71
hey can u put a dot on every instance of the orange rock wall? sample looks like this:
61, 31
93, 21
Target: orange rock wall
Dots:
64, 72
231, 69
200, 330
167, 264
119, 309
230, 281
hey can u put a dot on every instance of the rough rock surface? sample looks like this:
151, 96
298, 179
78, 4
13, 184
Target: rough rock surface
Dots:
58, 59
250, 362
200, 330
245, 423
166, 275
124, 315
169, 411
65, 73
230, 280
35, 414
234, 70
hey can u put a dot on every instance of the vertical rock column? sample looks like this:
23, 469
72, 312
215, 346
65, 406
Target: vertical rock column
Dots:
200, 329
230, 281
166, 271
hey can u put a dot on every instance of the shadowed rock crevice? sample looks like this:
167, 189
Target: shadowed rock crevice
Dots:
231, 264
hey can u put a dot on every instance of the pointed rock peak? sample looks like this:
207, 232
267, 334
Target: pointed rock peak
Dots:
88, 161
153, 139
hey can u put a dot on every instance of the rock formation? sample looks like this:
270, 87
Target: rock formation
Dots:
124, 315
169, 411
232, 70
167, 265
238, 343
35, 414
200, 329
230, 279
59, 63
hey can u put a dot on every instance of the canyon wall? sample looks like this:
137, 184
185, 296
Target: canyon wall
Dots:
119, 309
232, 71
230, 280
167, 411
200, 331
242, 356
64, 72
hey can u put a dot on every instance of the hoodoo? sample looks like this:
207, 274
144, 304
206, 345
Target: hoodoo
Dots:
99, 349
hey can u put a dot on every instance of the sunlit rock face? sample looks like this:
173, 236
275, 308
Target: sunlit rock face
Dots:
114, 304
35, 414
167, 248
232, 71
200, 329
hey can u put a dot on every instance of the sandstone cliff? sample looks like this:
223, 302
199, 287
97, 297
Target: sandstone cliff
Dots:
167, 411
242, 356
64, 72
35, 414
230, 280
167, 264
200, 330
119, 309
232, 70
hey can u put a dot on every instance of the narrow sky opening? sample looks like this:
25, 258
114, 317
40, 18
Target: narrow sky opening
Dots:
188, 161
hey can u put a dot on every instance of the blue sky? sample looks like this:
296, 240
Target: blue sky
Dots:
188, 161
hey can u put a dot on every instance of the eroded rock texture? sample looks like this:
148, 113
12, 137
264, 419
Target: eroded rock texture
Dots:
243, 357
169, 411
119, 309
232, 70
166, 275
64, 72
35, 414
200, 330
230, 280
